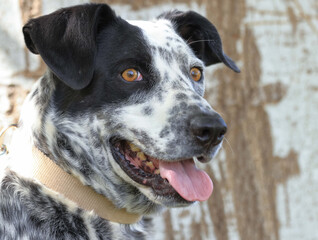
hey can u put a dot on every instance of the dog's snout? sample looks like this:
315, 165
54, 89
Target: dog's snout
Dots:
208, 129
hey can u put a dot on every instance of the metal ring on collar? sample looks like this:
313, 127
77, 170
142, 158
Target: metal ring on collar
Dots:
3, 148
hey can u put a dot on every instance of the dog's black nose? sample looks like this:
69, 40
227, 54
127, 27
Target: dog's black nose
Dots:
208, 129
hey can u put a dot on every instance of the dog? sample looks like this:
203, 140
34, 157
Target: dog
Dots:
121, 110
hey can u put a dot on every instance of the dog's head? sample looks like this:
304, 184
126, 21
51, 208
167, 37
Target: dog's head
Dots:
127, 109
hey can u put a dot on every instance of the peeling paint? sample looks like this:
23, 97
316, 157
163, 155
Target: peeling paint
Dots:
217, 209
30, 9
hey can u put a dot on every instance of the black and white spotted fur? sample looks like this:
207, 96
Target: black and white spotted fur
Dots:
82, 102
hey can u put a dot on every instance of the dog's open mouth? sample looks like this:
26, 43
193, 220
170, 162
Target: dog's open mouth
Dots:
165, 178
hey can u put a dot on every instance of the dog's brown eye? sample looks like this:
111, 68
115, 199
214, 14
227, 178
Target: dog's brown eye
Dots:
195, 74
131, 75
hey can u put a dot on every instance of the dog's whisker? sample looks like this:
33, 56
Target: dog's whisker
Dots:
221, 114
208, 40
227, 141
187, 41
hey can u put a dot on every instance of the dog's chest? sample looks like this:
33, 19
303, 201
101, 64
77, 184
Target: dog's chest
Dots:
28, 211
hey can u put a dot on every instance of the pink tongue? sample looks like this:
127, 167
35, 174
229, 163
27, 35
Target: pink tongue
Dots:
191, 183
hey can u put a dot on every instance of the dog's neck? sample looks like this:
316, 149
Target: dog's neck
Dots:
41, 122
62, 184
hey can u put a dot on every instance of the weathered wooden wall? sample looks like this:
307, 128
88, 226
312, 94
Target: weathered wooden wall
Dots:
266, 176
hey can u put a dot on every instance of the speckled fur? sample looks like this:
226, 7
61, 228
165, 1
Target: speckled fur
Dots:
155, 121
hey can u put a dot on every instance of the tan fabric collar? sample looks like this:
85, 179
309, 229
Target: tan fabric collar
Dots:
44, 170
56, 179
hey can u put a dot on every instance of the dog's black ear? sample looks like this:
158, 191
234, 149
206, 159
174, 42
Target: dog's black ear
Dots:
201, 35
66, 40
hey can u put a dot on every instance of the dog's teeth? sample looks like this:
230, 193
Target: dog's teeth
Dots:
141, 156
150, 165
134, 148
